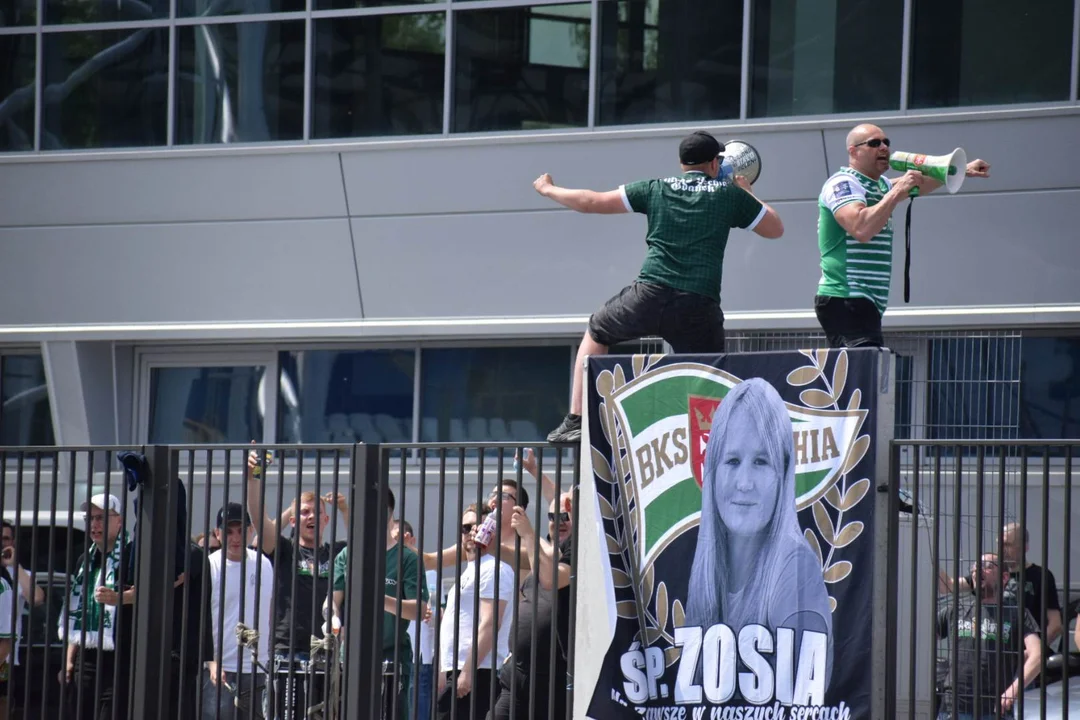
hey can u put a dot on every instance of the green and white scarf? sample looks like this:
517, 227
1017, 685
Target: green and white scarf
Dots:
92, 616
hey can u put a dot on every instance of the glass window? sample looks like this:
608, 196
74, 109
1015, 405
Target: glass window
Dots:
206, 404
105, 88
240, 82
93, 11
837, 56
25, 413
903, 397
346, 396
989, 52
344, 4
974, 388
16, 92
17, 12
379, 75
1050, 388
493, 394
187, 8
521, 68
665, 61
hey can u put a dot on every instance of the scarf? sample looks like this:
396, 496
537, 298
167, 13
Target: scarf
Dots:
92, 616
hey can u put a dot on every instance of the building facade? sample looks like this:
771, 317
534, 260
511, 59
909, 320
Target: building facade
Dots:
199, 196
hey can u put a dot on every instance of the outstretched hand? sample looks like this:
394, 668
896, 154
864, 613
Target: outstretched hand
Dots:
978, 168
542, 183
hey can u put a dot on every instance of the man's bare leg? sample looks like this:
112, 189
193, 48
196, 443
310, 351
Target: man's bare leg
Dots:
570, 428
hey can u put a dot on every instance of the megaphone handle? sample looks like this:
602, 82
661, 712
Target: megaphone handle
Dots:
907, 250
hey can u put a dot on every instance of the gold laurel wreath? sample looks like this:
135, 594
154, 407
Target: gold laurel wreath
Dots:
660, 623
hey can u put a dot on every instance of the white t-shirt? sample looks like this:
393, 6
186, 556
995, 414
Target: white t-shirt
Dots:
254, 598
427, 633
467, 615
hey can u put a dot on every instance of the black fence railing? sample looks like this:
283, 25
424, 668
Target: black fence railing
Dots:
289, 582
302, 603
985, 579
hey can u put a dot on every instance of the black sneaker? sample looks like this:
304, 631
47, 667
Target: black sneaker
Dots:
568, 431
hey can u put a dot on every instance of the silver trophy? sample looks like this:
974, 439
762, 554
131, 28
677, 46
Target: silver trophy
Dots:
741, 158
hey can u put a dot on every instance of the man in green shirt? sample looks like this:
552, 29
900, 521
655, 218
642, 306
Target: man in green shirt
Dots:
413, 601
855, 235
677, 293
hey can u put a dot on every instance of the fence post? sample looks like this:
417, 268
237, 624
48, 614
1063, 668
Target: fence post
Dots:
366, 583
154, 576
886, 568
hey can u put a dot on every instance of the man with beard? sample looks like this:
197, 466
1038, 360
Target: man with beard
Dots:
1002, 633
553, 568
303, 573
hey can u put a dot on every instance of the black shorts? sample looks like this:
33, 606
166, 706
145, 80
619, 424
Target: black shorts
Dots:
689, 322
849, 322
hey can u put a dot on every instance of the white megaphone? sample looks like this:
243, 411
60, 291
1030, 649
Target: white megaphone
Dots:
949, 170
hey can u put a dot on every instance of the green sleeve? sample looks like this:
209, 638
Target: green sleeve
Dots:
637, 194
341, 565
410, 588
747, 208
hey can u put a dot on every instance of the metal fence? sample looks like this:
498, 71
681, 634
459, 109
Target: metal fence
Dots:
181, 628
971, 528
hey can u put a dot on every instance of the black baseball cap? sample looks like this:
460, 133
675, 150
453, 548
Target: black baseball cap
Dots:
233, 512
699, 147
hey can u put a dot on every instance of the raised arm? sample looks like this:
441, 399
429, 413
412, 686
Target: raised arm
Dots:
547, 566
265, 526
862, 222
769, 225
975, 168
583, 201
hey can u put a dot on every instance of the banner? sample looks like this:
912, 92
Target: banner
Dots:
736, 533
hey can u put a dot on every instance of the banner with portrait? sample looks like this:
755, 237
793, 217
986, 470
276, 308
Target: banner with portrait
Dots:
736, 531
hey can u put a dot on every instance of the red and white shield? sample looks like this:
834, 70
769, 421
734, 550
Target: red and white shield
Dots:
701, 411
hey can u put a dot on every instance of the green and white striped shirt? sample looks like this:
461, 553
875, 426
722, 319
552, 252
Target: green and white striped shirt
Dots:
850, 268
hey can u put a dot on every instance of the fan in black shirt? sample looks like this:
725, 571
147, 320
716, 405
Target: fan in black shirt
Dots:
532, 646
1029, 582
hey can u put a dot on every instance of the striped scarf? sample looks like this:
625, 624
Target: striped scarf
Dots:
92, 616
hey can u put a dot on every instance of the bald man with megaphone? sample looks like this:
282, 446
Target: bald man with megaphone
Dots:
855, 229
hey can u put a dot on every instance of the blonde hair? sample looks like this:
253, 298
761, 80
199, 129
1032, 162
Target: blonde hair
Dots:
706, 599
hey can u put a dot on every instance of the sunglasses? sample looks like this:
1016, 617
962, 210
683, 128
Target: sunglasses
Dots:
503, 496
875, 143
466, 528
564, 517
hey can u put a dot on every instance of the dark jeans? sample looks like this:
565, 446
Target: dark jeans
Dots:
508, 699
89, 665
473, 706
849, 322
425, 689
245, 701
691, 323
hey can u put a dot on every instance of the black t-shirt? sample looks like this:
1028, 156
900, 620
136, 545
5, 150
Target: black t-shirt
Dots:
187, 641
1033, 598
298, 613
521, 645
995, 673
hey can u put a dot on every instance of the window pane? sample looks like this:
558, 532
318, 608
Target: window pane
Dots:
493, 394
989, 52
835, 56
331, 396
16, 92
17, 12
205, 405
186, 8
1050, 388
903, 397
240, 83
342, 4
973, 389
664, 61
82, 11
379, 75
105, 88
25, 414
521, 68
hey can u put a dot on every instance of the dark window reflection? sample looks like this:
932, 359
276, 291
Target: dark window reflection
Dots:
974, 388
186, 8
990, 52
379, 75
25, 415
666, 61
88, 11
1050, 388
493, 394
332, 396
17, 12
105, 88
205, 405
809, 58
16, 92
521, 68
344, 4
240, 83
